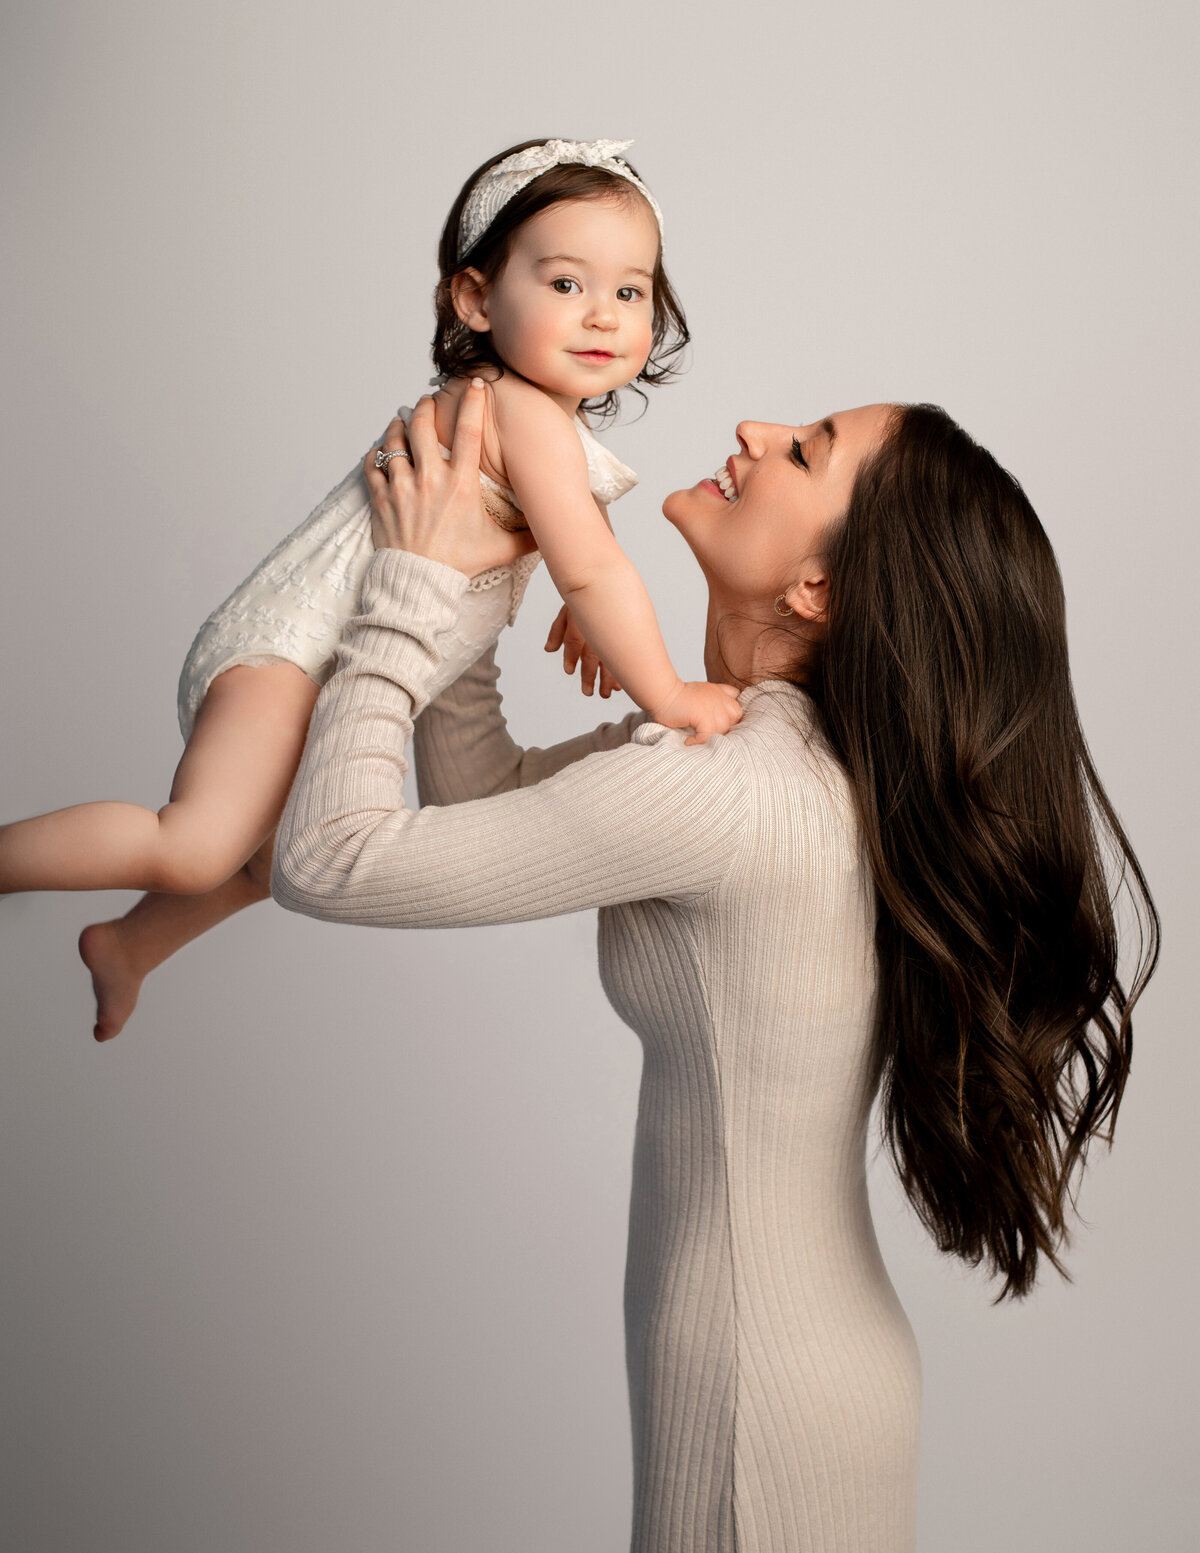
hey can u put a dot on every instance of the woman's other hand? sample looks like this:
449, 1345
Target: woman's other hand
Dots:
431, 506
566, 634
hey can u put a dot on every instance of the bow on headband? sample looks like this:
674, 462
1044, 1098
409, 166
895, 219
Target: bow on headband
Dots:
500, 183
536, 159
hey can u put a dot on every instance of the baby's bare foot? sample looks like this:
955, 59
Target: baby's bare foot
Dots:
114, 980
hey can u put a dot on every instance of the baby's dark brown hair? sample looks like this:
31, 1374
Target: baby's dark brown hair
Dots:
459, 352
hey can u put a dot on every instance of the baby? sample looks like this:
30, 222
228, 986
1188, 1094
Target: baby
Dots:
552, 290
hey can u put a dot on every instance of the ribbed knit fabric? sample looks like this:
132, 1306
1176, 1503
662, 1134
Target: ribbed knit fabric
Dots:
774, 1380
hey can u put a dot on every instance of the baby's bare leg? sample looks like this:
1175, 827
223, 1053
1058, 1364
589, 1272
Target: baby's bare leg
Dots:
120, 954
227, 796
272, 705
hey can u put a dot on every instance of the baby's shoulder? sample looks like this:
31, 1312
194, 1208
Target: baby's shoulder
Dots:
535, 431
524, 429
517, 402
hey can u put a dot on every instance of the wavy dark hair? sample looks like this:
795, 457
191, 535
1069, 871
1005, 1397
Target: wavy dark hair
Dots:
942, 683
459, 351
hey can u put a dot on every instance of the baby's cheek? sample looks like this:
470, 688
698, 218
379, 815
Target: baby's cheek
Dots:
542, 338
643, 339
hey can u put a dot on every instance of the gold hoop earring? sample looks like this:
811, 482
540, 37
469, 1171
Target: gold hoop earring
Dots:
782, 599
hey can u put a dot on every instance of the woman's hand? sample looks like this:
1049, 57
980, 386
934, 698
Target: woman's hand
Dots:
432, 507
566, 634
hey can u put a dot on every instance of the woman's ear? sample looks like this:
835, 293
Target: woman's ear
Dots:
468, 293
809, 595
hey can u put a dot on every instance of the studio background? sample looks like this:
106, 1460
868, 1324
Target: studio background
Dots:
326, 1250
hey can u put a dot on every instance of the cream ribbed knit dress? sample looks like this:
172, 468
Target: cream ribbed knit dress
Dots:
774, 1381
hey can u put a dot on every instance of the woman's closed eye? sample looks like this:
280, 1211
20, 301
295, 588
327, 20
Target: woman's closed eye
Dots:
798, 453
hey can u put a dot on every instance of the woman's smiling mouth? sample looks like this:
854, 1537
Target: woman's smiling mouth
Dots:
723, 482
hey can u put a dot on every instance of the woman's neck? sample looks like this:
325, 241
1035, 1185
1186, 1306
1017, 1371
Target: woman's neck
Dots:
746, 644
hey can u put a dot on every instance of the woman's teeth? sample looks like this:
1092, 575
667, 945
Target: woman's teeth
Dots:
725, 480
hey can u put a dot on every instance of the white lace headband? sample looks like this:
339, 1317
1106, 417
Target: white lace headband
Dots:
500, 183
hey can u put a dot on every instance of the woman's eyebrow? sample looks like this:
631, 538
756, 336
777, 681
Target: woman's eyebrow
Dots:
830, 431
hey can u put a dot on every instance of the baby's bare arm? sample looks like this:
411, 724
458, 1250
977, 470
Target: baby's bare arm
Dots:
547, 468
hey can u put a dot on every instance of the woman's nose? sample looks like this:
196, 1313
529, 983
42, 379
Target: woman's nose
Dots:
753, 437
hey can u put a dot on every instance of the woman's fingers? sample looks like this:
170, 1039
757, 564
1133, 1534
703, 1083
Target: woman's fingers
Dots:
565, 633
431, 508
558, 631
394, 440
422, 435
589, 667
468, 430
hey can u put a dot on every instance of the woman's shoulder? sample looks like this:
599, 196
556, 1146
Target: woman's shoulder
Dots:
788, 756
654, 757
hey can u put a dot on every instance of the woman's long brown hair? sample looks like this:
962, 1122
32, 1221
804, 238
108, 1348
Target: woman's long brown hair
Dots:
942, 681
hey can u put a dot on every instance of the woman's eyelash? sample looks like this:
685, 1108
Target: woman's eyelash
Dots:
798, 453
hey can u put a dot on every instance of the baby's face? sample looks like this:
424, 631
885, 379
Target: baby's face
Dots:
572, 310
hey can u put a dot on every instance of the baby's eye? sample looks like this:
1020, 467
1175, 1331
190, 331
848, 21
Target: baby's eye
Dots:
563, 280
629, 293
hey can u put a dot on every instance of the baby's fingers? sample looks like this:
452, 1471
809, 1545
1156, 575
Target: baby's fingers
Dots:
719, 720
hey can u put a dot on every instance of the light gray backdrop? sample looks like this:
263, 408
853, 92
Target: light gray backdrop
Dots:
326, 1250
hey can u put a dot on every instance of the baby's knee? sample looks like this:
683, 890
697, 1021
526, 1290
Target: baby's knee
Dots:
192, 864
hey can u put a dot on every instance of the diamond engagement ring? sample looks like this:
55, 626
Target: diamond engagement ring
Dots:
381, 458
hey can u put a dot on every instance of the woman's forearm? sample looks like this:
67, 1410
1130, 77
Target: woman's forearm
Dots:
595, 833
351, 775
462, 747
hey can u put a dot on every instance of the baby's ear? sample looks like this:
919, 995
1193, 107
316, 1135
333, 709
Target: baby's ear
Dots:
468, 293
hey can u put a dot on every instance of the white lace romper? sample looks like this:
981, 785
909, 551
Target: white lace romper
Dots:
293, 605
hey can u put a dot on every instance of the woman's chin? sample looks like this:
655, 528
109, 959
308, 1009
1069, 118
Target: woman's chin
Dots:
683, 505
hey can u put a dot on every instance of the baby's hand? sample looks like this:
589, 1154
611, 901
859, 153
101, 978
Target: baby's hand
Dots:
565, 633
705, 707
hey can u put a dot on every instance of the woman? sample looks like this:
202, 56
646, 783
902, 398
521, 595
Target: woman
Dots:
889, 869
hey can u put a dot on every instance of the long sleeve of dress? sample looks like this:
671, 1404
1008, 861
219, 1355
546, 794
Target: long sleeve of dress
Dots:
641, 816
